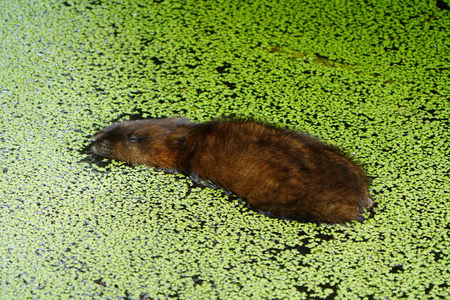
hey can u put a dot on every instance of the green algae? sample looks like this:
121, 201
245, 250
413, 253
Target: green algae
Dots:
71, 229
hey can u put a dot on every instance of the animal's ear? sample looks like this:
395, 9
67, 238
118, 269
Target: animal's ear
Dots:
176, 140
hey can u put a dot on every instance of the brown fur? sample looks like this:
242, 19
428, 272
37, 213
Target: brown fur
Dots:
286, 173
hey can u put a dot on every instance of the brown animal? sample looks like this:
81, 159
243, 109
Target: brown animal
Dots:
286, 173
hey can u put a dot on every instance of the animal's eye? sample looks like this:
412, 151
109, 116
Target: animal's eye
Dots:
133, 138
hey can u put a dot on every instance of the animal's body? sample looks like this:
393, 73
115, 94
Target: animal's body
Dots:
286, 173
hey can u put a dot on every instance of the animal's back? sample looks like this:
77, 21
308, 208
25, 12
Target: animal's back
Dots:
286, 173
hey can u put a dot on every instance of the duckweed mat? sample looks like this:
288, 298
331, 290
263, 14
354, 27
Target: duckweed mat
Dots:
369, 76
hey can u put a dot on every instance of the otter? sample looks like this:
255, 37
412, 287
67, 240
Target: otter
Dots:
292, 175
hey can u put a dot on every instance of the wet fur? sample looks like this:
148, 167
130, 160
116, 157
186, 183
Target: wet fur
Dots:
286, 173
